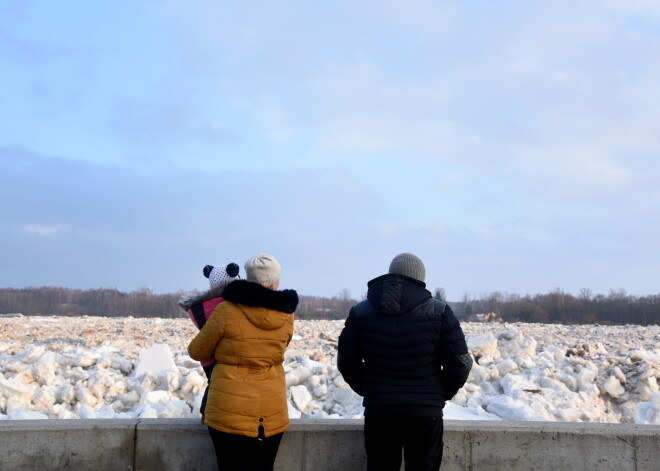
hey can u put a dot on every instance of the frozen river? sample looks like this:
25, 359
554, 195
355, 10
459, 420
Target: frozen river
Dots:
92, 367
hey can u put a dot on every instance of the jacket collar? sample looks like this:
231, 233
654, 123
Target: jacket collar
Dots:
254, 295
190, 300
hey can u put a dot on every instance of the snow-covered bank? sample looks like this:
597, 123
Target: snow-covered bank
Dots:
93, 367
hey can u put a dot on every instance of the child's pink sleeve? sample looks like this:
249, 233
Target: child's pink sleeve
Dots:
210, 305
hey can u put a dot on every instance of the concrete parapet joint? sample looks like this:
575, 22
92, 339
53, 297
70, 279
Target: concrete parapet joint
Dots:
318, 445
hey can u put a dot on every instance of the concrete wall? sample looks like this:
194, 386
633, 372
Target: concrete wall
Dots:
318, 445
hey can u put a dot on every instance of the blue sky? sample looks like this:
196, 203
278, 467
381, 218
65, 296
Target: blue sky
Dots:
514, 146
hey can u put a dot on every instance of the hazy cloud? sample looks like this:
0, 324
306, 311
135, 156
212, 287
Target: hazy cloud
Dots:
43, 229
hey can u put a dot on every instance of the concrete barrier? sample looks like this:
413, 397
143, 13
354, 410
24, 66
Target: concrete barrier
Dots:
318, 445
67, 444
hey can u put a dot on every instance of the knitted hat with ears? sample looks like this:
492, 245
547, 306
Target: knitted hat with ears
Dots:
221, 275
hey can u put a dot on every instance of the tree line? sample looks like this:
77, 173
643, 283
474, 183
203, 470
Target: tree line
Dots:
559, 307
554, 307
110, 302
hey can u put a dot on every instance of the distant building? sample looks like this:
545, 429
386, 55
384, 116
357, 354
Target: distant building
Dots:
483, 316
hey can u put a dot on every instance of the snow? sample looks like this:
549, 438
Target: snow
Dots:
88, 367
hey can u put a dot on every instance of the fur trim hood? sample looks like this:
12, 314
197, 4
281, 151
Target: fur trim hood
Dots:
190, 300
252, 294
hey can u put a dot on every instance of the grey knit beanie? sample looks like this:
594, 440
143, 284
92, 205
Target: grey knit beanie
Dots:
409, 265
263, 269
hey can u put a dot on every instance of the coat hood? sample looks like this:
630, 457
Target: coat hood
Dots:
190, 300
396, 294
265, 308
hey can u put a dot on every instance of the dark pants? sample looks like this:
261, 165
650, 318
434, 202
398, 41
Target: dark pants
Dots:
419, 437
208, 370
241, 453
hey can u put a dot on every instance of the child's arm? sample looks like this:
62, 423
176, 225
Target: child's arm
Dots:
202, 347
196, 313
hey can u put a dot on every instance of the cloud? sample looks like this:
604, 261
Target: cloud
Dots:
43, 229
159, 124
408, 83
159, 229
329, 228
22, 52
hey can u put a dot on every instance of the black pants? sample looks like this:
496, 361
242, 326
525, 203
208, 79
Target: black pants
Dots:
419, 437
241, 453
208, 370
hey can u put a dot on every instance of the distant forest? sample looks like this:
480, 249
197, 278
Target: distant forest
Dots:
558, 307
110, 302
555, 307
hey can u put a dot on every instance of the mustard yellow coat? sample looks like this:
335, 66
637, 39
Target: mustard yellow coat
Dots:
248, 334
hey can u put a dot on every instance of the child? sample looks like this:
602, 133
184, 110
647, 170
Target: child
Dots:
201, 306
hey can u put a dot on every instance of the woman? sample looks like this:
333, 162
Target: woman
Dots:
247, 409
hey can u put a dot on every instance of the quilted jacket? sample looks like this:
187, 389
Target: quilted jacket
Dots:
248, 334
404, 351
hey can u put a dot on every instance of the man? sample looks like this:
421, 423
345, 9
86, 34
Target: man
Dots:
405, 352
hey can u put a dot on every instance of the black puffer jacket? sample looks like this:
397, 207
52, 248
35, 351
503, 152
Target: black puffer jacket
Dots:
402, 350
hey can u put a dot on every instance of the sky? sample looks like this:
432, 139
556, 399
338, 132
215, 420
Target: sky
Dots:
514, 146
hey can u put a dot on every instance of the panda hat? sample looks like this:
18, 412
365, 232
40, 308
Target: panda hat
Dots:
221, 275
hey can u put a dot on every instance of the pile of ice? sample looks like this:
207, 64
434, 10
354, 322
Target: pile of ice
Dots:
516, 379
521, 372
135, 368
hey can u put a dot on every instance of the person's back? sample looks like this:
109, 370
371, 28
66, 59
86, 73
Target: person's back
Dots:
248, 333
405, 353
